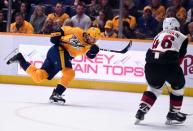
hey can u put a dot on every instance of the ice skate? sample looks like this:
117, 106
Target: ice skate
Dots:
141, 113
139, 116
56, 98
175, 118
15, 58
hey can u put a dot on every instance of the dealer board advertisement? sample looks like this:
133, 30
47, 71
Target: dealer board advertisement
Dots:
106, 66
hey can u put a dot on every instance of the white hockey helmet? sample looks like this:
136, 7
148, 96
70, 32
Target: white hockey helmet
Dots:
171, 23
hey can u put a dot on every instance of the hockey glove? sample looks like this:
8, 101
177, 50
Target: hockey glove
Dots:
56, 36
94, 49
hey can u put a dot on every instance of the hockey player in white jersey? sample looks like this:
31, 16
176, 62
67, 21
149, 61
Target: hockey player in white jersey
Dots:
163, 65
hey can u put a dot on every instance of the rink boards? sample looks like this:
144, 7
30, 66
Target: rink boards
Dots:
108, 71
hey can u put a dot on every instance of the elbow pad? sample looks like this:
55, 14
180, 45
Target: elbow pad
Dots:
94, 49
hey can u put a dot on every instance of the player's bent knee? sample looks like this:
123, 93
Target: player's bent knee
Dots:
39, 76
68, 73
156, 91
179, 92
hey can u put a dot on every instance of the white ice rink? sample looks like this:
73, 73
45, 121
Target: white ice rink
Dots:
26, 108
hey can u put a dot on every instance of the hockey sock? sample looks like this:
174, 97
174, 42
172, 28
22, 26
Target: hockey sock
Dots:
23, 63
59, 89
175, 102
147, 99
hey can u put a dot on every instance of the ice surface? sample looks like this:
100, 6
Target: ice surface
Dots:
27, 108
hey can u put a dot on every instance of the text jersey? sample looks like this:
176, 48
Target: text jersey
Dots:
167, 47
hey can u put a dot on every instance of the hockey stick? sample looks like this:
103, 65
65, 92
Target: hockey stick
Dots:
116, 51
121, 51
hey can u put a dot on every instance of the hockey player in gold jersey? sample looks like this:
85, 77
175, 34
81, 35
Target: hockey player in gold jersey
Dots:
69, 42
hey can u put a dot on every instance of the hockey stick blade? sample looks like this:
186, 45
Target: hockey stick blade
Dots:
121, 51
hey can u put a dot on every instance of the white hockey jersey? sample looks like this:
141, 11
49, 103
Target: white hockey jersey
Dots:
168, 40
168, 46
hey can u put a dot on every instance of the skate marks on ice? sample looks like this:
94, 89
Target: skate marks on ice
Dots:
48, 111
71, 117
20, 113
71, 125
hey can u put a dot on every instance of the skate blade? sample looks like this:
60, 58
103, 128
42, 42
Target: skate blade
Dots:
57, 102
10, 55
173, 122
137, 121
